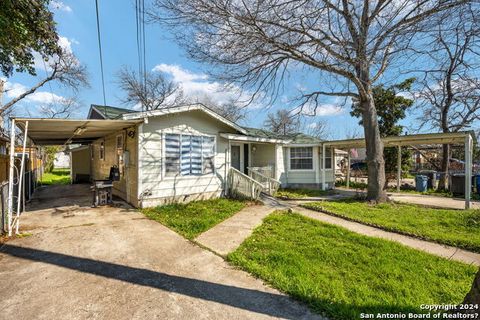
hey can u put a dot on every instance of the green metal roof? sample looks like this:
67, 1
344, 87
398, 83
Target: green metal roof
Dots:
296, 138
110, 112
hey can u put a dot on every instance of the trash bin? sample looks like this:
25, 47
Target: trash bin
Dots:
457, 184
432, 178
421, 183
477, 183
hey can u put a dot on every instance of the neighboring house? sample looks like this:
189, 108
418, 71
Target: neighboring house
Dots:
62, 160
185, 153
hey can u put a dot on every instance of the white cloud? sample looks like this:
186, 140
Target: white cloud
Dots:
13, 90
197, 85
64, 42
178, 73
328, 110
59, 5
322, 109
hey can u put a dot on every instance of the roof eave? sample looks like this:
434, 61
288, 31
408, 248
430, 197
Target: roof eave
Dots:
166, 111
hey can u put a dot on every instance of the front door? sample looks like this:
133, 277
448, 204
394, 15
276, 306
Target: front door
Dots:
235, 157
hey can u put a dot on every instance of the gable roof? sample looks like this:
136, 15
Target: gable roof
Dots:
179, 109
108, 112
294, 138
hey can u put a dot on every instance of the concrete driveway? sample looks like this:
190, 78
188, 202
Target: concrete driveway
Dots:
113, 263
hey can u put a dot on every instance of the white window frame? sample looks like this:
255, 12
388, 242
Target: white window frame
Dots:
290, 158
122, 141
187, 177
328, 155
101, 155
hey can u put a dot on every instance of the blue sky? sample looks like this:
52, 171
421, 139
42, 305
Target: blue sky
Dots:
77, 28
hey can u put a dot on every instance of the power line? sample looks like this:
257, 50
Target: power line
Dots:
141, 44
144, 48
100, 52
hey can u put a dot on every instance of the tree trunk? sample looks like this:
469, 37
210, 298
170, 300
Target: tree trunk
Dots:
374, 147
473, 296
442, 183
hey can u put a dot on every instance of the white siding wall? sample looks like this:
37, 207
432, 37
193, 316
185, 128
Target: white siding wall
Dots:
155, 189
310, 177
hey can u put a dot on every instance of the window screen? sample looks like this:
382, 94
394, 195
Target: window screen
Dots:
301, 158
208, 150
172, 154
189, 155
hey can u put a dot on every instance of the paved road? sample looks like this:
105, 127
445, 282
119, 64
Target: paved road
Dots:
112, 263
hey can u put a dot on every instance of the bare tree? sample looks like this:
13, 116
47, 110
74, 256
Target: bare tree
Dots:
283, 122
230, 109
254, 42
62, 109
64, 69
152, 91
450, 87
318, 128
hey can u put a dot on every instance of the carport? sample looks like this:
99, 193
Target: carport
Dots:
44, 132
459, 138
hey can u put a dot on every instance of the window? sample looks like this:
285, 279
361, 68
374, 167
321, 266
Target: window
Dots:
101, 154
189, 155
328, 158
301, 158
119, 141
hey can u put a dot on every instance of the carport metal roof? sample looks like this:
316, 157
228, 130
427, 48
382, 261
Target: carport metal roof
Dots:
62, 131
465, 138
406, 140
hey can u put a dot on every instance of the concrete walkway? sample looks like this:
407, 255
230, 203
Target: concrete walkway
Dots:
226, 236
431, 201
229, 234
440, 250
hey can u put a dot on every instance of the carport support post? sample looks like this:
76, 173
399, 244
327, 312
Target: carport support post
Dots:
11, 177
323, 167
21, 178
348, 169
399, 167
468, 169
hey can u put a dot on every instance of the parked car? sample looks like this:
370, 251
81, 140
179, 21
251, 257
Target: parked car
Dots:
358, 166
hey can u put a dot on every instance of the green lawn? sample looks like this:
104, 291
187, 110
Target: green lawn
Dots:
196, 217
301, 193
57, 176
353, 184
342, 274
429, 192
460, 228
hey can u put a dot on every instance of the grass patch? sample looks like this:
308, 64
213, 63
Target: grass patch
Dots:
57, 176
342, 274
429, 192
459, 228
353, 184
301, 193
194, 218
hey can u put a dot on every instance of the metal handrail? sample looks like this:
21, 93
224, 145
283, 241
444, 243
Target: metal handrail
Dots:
272, 184
249, 189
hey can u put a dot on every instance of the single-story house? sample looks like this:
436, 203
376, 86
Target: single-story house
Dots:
185, 153
190, 152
